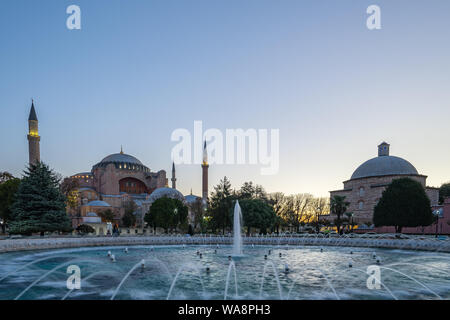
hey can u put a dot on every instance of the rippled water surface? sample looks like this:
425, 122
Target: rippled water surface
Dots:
177, 272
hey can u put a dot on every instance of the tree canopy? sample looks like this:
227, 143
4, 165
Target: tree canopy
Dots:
444, 192
106, 215
129, 218
338, 207
8, 189
167, 213
69, 187
257, 214
221, 204
404, 203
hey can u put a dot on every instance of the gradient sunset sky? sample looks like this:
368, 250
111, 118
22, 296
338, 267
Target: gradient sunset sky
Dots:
137, 70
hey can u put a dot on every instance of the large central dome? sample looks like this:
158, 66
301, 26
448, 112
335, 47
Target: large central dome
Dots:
121, 157
384, 165
122, 161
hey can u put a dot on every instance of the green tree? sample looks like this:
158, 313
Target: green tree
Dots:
5, 176
167, 213
198, 212
129, 217
250, 191
8, 190
256, 213
221, 205
39, 206
106, 215
338, 207
444, 192
404, 203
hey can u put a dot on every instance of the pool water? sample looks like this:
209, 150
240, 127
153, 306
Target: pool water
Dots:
201, 272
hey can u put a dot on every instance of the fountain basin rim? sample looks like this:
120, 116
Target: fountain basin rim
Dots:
13, 245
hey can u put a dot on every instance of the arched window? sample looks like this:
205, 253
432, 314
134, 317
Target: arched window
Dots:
361, 191
132, 186
360, 205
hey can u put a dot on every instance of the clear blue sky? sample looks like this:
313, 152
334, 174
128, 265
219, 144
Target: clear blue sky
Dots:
137, 70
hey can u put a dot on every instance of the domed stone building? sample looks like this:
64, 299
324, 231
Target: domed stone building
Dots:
364, 188
113, 181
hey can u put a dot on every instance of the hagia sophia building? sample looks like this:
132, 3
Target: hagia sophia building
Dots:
117, 179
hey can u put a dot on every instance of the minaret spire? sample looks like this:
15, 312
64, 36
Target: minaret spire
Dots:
34, 155
174, 179
205, 167
205, 154
121, 149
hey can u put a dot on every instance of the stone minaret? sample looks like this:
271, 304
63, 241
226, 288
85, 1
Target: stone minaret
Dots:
33, 137
205, 175
174, 179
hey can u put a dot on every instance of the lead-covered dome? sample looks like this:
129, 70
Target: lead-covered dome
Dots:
122, 161
121, 157
384, 165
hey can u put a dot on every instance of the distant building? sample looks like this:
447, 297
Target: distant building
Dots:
366, 185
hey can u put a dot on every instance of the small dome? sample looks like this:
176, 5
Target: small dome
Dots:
166, 192
121, 157
98, 203
384, 166
191, 198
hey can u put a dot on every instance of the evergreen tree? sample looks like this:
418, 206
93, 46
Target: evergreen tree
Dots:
8, 190
221, 205
404, 203
39, 206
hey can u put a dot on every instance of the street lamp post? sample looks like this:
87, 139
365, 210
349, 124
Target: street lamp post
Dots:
437, 214
350, 216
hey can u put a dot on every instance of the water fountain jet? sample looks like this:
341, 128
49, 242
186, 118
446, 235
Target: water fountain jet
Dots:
237, 237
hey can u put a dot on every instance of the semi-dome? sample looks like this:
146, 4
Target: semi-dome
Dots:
166, 192
384, 165
121, 157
